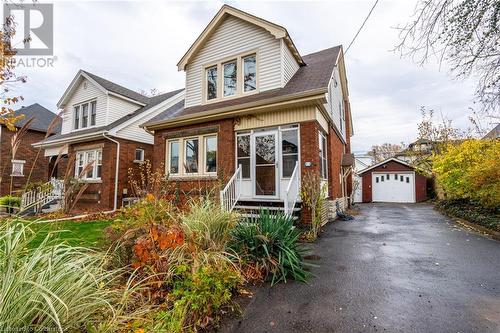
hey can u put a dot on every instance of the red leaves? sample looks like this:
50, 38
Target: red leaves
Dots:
147, 248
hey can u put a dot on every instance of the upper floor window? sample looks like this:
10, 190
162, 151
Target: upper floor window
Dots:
249, 73
211, 82
84, 115
230, 74
239, 76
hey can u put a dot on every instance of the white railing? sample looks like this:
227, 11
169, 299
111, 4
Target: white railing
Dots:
230, 195
292, 191
42, 195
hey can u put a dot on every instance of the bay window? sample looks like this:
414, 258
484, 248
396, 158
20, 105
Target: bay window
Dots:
84, 115
192, 156
91, 162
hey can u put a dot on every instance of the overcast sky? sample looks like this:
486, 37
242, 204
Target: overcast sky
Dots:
138, 44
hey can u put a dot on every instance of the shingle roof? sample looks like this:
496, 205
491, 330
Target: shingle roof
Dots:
151, 102
42, 118
314, 75
494, 133
118, 89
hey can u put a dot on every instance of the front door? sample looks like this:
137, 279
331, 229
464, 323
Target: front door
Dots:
266, 164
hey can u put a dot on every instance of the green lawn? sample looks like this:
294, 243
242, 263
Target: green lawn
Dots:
87, 234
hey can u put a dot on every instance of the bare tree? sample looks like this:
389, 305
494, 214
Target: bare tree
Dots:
385, 151
466, 35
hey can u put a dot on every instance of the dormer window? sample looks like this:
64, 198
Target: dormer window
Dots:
84, 115
239, 77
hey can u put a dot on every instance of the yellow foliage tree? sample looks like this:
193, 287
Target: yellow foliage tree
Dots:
470, 171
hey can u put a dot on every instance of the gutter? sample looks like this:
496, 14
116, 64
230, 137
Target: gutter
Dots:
233, 110
115, 202
73, 139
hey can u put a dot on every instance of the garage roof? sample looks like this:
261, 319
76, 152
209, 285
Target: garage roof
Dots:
393, 159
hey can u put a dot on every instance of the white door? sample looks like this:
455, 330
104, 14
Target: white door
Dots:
265, 171
393, 187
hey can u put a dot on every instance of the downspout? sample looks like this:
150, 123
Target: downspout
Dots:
115, 203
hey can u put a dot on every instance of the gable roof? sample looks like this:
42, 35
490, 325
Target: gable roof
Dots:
104, 85
152, 102
42, 118
276, 30
311, 79
494, 133
392, 159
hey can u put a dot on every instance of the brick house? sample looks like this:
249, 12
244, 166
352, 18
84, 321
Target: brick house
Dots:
257, 116
25, 167
100, 126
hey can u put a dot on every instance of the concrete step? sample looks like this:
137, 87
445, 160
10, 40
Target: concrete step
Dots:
253, 216
246, 207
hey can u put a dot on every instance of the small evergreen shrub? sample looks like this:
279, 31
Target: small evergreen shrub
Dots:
270, 243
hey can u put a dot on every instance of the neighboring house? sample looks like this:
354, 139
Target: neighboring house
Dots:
494, 133
393, 180
252, 100
19, 167
419, 150
362, 161
100, 127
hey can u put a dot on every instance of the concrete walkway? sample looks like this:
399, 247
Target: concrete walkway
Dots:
396, 268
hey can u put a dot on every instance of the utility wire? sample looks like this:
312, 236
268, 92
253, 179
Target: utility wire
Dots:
362, 25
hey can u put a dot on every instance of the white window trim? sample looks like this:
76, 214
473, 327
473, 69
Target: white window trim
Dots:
182, 155
142, 155
80, 115
21, 163
321, 136
281, 130
240, 91
85, 162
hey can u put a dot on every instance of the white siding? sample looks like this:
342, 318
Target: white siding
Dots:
334, 99
290, 65
235, 36
118, 108
84, 91
133, 131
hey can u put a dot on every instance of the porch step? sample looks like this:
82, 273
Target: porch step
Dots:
251, 209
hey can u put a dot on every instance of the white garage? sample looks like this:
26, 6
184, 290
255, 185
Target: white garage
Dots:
392, 180
393, 187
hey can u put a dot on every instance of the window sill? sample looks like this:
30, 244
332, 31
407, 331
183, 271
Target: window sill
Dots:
17, 175
192, 177
138, 161
91, 181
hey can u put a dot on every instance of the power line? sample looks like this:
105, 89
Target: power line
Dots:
362, 25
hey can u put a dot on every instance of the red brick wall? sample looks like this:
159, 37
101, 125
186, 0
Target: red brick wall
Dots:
25, 152
100, 195
335, 151
420, 181
225, 157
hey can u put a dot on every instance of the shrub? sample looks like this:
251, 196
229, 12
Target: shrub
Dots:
55, 287
313, 196
270, 242
470, 171
10, 201
197, 298
486, 217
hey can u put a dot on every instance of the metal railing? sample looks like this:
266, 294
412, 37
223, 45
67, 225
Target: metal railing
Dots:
231, 193
292, 191
42, 195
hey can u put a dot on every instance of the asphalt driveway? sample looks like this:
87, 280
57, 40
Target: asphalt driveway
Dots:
396, 268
